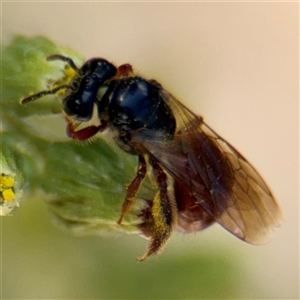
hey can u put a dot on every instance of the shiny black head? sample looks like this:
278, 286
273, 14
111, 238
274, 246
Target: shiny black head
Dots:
83, 89
81, 92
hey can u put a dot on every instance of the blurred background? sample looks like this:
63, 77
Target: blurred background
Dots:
236, 64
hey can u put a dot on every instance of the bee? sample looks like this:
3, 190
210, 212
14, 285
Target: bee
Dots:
200, 179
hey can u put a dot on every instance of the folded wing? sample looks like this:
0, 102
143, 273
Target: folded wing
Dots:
219, 178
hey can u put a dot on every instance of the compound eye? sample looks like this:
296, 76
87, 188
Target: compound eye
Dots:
77, 109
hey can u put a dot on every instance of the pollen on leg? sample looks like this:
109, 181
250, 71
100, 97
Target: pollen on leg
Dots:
164, 214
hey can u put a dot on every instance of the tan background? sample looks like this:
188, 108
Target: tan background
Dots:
236, 64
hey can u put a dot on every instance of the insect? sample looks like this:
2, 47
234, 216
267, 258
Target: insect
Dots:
200, 179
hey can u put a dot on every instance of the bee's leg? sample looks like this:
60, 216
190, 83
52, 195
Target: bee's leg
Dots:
164, 213
123, 71
84, 133
133, 188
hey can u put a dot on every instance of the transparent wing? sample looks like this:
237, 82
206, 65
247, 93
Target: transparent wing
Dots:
220, 179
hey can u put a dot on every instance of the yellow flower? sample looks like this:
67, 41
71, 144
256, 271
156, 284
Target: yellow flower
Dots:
10, 187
